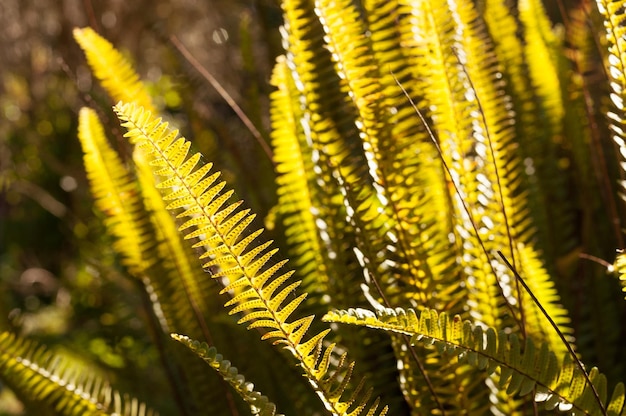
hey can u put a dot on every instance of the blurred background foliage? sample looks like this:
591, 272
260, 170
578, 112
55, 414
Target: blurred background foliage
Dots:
59, 278
60, 281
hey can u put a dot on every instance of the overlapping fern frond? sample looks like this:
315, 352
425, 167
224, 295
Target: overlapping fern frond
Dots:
557, 381
48, 384
261, 292
340, 193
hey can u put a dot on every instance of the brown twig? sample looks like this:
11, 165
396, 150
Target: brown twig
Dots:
224, 94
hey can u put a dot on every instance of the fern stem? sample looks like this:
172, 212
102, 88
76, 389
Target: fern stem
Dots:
558, 331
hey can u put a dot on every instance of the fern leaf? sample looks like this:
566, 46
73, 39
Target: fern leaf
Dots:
45, 381
116, 194
246, 272
259, 404
117, 76
557, 381
296, 199
612, 12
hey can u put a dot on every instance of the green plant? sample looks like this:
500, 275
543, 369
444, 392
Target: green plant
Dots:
429, 156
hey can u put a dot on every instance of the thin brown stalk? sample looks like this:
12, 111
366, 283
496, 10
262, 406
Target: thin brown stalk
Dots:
225, 95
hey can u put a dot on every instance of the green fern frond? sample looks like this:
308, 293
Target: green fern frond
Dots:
259, 404
44, 381
260, 293
149, 257
117, 76
557, 381
543, 56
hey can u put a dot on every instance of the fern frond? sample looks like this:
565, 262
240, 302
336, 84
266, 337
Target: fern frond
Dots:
43, 380
263, 296
544, 55
541, 49
330, 133
155, 262
613, 14
297, 200
117, 76
259, 404
556, 381
116, 195
620, 267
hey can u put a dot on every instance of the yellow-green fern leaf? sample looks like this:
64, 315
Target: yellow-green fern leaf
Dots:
533, 367
45, 381
542, 54
117, 76
296, 193
313, 226
116, 195
263, 294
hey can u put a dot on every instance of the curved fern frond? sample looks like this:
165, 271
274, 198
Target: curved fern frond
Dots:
259, 404
261, 293
557, 381
335, 171
117, 76
42, 380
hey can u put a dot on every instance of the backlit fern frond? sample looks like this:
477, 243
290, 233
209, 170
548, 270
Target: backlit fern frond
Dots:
262, 293
613, 14
185, 299
337, 181
539, 282
117, 76
259, 404
557, 381
116, 195
543, 56
329, 131
48, 384
150, 259
297, 201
